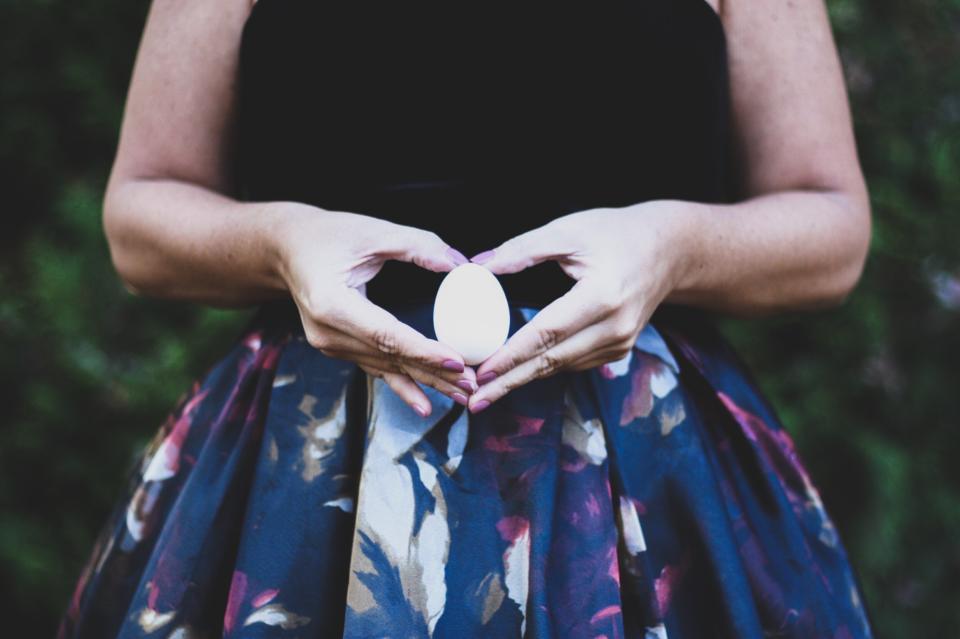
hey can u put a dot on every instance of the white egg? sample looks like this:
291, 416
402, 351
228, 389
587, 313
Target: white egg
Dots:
470, 312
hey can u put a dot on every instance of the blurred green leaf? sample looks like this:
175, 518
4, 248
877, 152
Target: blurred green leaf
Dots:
89, 372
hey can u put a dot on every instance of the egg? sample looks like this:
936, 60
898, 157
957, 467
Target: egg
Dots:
470, 312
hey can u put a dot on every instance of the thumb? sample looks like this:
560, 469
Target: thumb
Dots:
424, 248
523, 251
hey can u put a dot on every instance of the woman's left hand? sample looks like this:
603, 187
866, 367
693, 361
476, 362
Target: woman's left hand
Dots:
625, 262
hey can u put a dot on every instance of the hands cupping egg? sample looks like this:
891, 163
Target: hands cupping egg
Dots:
470, 312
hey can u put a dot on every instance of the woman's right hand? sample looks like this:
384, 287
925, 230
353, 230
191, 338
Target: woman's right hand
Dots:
326, 258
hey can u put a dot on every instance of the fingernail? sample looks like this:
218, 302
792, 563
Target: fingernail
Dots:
486, 377
453, 365
456, 256
420, 410
466, 385
479, 406
460, 398
480, 258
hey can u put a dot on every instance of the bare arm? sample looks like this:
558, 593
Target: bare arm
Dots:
799, 238
172, 229
175, 232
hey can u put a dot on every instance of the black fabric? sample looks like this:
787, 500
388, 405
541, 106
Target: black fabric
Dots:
481, 120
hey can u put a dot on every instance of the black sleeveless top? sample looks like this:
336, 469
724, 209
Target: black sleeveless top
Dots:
481, 120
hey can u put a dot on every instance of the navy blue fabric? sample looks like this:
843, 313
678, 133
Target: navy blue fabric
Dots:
289, 494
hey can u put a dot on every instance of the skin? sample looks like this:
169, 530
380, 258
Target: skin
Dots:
797, 239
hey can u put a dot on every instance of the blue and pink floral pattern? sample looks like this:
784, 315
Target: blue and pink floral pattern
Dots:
288, 494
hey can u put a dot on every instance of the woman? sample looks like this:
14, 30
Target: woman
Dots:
628, 170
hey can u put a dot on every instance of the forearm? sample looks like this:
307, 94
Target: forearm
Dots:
784, 251
173, 239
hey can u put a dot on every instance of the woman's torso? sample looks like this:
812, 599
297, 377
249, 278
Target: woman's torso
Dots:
481, 120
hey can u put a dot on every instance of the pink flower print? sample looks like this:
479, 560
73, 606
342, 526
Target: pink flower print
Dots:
667, 582
516, 559
652, 378
166, 460
264, 598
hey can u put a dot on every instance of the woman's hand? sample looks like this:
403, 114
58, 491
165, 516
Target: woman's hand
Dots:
625, 261
326, 258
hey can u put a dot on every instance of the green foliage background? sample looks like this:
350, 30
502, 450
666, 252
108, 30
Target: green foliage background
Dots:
88, 372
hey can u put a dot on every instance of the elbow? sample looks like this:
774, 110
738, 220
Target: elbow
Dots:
122, 254
847, 282
858, 232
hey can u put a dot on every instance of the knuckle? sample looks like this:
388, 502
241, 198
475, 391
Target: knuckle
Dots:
622, 351
316, 306
609, 299
547, 338
391, 366
623, 330
314, 338
549, 364
613, 302
387, 342
320, 341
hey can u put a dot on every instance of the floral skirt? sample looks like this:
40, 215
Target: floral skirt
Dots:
289, 494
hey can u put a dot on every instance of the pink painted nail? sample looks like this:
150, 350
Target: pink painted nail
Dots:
479, 406
486, 377
453, 365
480, 258
460, 398
456, 256
420, 410
466, 385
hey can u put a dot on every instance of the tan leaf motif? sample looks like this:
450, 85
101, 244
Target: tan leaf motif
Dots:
276, 615
151, 620
670, 419
490, 589
320, 433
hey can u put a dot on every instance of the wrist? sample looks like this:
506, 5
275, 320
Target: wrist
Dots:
691, 225
281, 223
682, 226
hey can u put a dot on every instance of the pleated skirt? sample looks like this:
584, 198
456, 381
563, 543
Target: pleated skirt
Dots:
289, 494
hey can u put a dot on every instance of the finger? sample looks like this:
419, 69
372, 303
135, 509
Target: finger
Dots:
424, 248
593, 360
453, 391
404, 387
588, 342
336, 343
525, 250
576, 309
600, 344
351, 312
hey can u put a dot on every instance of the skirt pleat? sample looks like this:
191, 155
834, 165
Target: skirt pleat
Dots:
290, 494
